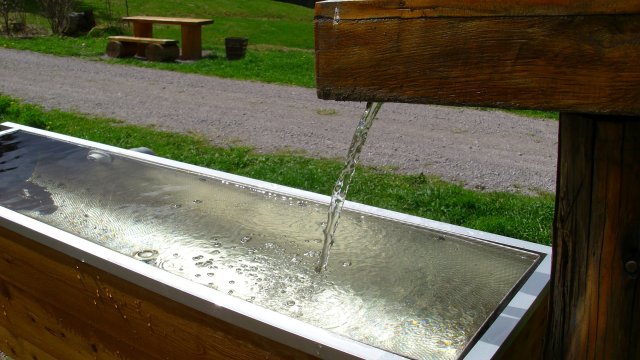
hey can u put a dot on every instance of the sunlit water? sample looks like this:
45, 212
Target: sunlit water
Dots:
341, 187
406, 289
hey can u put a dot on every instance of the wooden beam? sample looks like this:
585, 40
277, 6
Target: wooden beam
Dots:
585, 64
378, 9
56, 305
595, 307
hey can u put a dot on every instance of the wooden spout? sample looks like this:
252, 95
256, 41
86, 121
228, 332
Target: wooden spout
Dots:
563, 55
581, 58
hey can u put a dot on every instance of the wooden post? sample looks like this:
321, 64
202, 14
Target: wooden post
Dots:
595, 306
142, 29
191, 42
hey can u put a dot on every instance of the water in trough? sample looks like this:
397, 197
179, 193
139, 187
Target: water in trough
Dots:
397, 285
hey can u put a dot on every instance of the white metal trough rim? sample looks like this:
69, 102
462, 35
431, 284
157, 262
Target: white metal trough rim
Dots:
278, 327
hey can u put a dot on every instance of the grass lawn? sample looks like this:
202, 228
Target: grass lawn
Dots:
280, 37
514, 215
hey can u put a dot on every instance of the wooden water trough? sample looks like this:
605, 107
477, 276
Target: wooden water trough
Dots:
116, 254
581, 58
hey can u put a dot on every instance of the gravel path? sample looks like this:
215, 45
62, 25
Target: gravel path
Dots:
481, 149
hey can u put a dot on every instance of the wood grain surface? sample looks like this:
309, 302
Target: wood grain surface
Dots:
595, 310
54, 306
562, 63
376, 9
167, 20
144, 40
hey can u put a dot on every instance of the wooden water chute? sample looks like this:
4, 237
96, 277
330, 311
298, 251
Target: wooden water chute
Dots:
579, 58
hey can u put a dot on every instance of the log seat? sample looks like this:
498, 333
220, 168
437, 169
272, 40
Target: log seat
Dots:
154, 49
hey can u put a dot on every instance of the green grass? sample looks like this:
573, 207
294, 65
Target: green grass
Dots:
514, 215
538, 114
280, 38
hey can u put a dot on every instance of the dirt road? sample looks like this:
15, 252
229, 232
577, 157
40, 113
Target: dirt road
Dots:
481, 149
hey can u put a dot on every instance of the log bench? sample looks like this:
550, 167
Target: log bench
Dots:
154, 49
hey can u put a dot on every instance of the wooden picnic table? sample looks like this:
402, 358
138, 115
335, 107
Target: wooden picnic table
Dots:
191, 29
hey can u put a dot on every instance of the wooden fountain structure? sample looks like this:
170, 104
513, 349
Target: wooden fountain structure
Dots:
581, 58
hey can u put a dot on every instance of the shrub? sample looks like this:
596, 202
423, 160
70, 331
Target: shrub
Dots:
11, 12
57, 13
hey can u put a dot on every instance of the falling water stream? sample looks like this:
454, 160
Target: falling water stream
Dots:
341, 186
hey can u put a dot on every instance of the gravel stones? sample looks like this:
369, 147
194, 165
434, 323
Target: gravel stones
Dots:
486, 150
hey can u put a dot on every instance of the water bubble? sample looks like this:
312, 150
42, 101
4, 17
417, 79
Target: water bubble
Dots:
239, 271
215, 252
245, 239
175, 255
198, 275
230, 292
231, 282
176, 206
197, 201
251, 298
145, 255
346, 263
196, 258
290, 303
216, 244
210, 274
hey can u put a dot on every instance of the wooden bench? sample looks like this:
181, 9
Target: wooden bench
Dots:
154, 49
